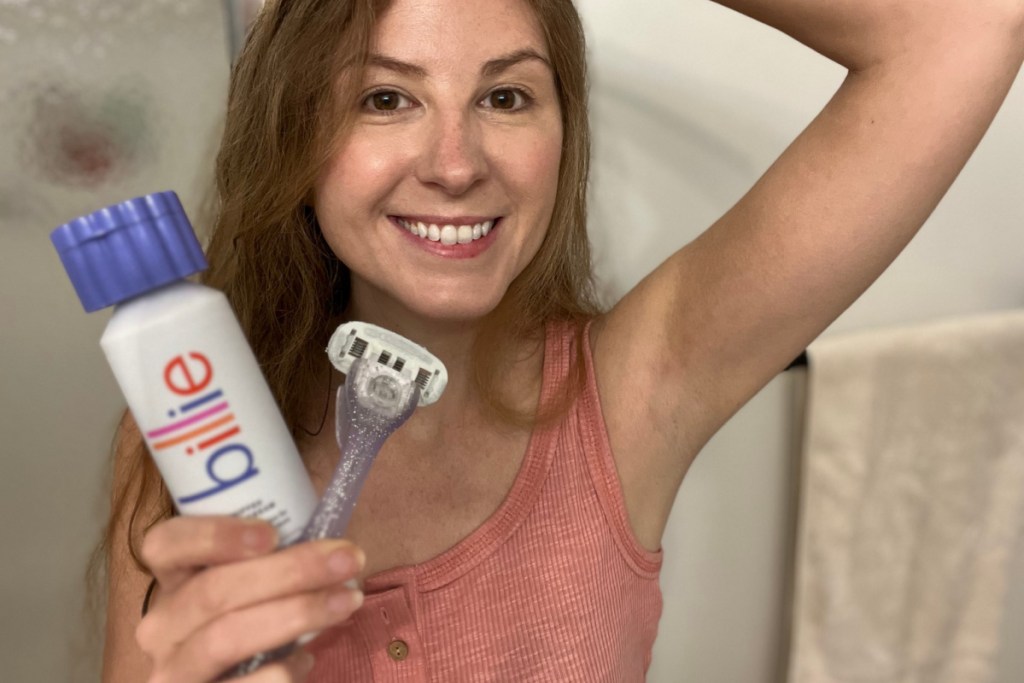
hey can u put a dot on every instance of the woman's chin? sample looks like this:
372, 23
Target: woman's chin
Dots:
454, 310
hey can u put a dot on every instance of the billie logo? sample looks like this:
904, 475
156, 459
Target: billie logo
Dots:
203, 426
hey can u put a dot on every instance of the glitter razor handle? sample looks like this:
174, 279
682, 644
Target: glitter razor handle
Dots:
387, 378
374, 401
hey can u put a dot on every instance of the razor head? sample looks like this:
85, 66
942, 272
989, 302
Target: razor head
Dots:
354, 340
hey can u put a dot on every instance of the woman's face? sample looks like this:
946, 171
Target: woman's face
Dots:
459, 134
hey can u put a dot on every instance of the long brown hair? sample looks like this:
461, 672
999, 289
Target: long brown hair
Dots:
266, 253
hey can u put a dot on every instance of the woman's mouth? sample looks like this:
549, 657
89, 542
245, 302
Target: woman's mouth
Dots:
447, 234
454, 239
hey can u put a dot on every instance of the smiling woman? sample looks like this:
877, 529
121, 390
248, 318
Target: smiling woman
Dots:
422, 165
441, 116
448, 136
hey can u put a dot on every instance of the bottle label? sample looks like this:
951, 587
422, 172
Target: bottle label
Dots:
202, 427
208, 416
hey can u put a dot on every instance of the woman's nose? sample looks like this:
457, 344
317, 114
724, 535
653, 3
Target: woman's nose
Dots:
454, 158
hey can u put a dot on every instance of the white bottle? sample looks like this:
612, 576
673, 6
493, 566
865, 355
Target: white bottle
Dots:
191, 381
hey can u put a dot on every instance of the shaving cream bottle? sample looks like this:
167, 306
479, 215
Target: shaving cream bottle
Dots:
184, 365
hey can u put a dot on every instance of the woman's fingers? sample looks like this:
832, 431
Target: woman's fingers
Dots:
239, 635
294, 669
218, 590
225, 596
178, 548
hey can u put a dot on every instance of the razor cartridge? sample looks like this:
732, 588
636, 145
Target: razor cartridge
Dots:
354, 340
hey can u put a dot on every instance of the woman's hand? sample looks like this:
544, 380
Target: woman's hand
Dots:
223, 596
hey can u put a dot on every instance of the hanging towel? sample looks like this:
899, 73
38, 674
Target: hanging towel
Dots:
912, 502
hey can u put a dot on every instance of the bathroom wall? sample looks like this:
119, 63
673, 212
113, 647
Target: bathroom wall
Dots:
101, 100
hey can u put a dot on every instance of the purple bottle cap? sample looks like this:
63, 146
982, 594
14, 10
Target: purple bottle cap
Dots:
128, 249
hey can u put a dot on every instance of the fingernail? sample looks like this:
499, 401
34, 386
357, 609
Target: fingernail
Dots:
341, 562
344, 602
307, 638
346, 561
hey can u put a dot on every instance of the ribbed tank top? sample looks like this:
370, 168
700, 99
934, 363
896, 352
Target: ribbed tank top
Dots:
552, 587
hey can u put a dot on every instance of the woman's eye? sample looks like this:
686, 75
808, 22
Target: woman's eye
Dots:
385, 101
508, 99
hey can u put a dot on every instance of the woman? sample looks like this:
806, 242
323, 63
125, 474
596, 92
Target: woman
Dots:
421, 165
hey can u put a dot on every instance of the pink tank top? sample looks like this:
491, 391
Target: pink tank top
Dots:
552, 587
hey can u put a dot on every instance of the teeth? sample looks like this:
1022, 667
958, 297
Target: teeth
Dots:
448, 234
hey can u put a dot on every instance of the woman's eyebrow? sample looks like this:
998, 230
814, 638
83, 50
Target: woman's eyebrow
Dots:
491, 68
392, 64
497, 66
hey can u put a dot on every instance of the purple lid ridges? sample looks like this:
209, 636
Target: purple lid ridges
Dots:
128, 249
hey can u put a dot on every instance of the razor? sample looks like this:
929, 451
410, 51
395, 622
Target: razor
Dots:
386, 378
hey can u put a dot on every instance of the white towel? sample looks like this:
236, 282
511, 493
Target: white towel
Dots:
912, 502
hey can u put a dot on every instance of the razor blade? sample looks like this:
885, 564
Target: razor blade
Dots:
354, 340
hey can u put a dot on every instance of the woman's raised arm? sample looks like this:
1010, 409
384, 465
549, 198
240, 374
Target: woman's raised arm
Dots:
729, 311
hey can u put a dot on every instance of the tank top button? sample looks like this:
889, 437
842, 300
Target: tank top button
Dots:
398, 650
